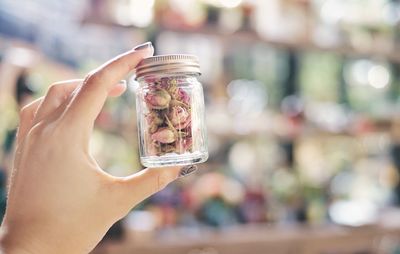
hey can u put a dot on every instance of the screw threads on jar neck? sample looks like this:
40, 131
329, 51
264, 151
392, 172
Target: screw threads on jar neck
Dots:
169, 65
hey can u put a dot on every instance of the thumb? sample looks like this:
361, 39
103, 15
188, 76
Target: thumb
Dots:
147, 182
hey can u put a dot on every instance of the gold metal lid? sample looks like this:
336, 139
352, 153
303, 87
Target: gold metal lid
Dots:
168, 64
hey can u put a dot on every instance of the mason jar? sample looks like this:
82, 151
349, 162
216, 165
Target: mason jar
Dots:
170, 111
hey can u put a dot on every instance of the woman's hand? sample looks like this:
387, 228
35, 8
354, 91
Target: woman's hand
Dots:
60, 200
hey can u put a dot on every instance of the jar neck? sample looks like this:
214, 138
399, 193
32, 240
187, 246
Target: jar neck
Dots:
156, 77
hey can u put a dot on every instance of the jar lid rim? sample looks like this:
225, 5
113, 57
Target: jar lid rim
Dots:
169, 64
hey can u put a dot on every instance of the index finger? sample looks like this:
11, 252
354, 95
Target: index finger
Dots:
91, 96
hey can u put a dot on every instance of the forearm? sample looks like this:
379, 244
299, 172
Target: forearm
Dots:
12, 242
34, 239
10, 245
13, 250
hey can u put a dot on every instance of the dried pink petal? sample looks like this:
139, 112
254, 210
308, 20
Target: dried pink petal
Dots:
183, 145
188, 143
183, 96
178, 116
184, 125
164, 135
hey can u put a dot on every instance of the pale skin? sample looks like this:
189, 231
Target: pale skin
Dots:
60, 200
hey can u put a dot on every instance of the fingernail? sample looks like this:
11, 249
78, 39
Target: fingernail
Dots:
187, 170
143, 46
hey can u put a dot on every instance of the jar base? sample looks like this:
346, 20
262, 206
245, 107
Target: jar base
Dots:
173, 160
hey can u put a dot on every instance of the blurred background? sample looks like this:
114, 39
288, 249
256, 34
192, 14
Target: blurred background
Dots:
303, 116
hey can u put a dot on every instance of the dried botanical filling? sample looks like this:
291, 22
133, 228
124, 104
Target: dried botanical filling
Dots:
168, 117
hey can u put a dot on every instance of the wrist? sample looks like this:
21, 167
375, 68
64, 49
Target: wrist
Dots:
17, 243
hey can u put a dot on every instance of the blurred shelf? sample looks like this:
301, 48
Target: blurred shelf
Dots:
249, 36
391, 55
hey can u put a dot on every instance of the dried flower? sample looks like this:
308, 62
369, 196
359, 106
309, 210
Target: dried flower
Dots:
178, 103
169, 148
164, 135
169, 119
184, 125
183, 145
183, 96
157, 99
153, 148
169, 84
153, 128
178, 116
154, 118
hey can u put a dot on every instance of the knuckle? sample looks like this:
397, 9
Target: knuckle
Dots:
36, 131
53, 88
24, 112
93, 77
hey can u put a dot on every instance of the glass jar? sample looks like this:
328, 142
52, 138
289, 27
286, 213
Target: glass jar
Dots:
170, 111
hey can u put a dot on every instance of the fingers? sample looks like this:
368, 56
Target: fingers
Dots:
56, 95
27, 115
60, 92
118, 89
89, 100
138, 187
